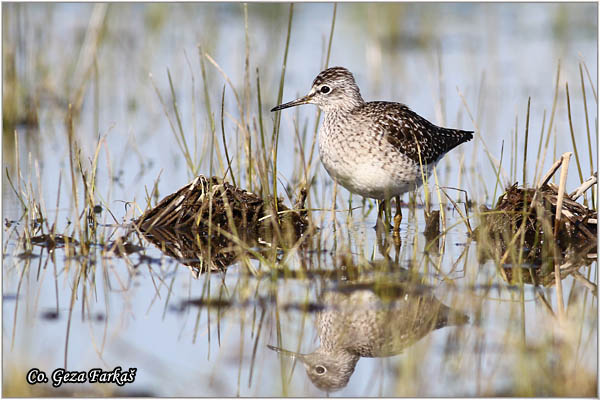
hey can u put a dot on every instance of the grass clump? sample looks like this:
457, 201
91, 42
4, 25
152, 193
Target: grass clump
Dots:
543, 226
211, 222
213, 202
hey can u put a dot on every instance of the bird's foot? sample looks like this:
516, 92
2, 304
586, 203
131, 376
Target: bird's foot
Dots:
397, 221
397, 217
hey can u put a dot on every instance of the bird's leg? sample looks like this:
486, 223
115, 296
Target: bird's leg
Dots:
384, 215
397, 217
380, 210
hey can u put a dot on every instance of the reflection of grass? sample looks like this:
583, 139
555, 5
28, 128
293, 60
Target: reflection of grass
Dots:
235, 139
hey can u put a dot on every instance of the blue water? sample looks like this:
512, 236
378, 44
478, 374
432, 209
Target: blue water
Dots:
425, 55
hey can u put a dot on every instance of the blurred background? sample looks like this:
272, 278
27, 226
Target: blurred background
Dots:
424, 55
119, 67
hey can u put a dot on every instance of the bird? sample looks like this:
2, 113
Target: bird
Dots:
364, 320
377, 149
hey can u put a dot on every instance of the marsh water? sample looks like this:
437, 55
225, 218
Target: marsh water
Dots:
107, 109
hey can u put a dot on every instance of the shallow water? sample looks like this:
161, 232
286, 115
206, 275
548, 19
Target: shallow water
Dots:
143, 313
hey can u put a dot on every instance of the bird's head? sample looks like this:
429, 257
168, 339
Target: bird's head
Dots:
328, 371
332, 90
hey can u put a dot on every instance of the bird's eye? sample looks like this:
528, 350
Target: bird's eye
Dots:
325, 89
320, 370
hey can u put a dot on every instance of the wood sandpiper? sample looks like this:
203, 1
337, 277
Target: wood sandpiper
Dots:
362, 320
377, 149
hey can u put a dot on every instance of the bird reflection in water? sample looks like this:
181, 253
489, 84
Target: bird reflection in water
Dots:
367, 320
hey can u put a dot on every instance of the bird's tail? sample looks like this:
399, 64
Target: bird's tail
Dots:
454, 137
466, 136
461, 136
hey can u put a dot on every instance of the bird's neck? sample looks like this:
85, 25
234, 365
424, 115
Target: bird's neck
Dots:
346, 104
354, 101
344, 357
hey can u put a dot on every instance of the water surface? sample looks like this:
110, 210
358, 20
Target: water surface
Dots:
469, 66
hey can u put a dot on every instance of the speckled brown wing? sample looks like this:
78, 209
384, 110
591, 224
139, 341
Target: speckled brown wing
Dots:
411, 133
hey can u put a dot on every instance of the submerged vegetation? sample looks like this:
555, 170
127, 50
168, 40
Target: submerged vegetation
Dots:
209, 219
540, 224
467, 295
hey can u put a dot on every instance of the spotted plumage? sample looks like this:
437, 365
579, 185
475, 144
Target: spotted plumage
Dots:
362, 320
375, 149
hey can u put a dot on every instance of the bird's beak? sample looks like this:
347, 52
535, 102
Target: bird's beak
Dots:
302, 100
287, 353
